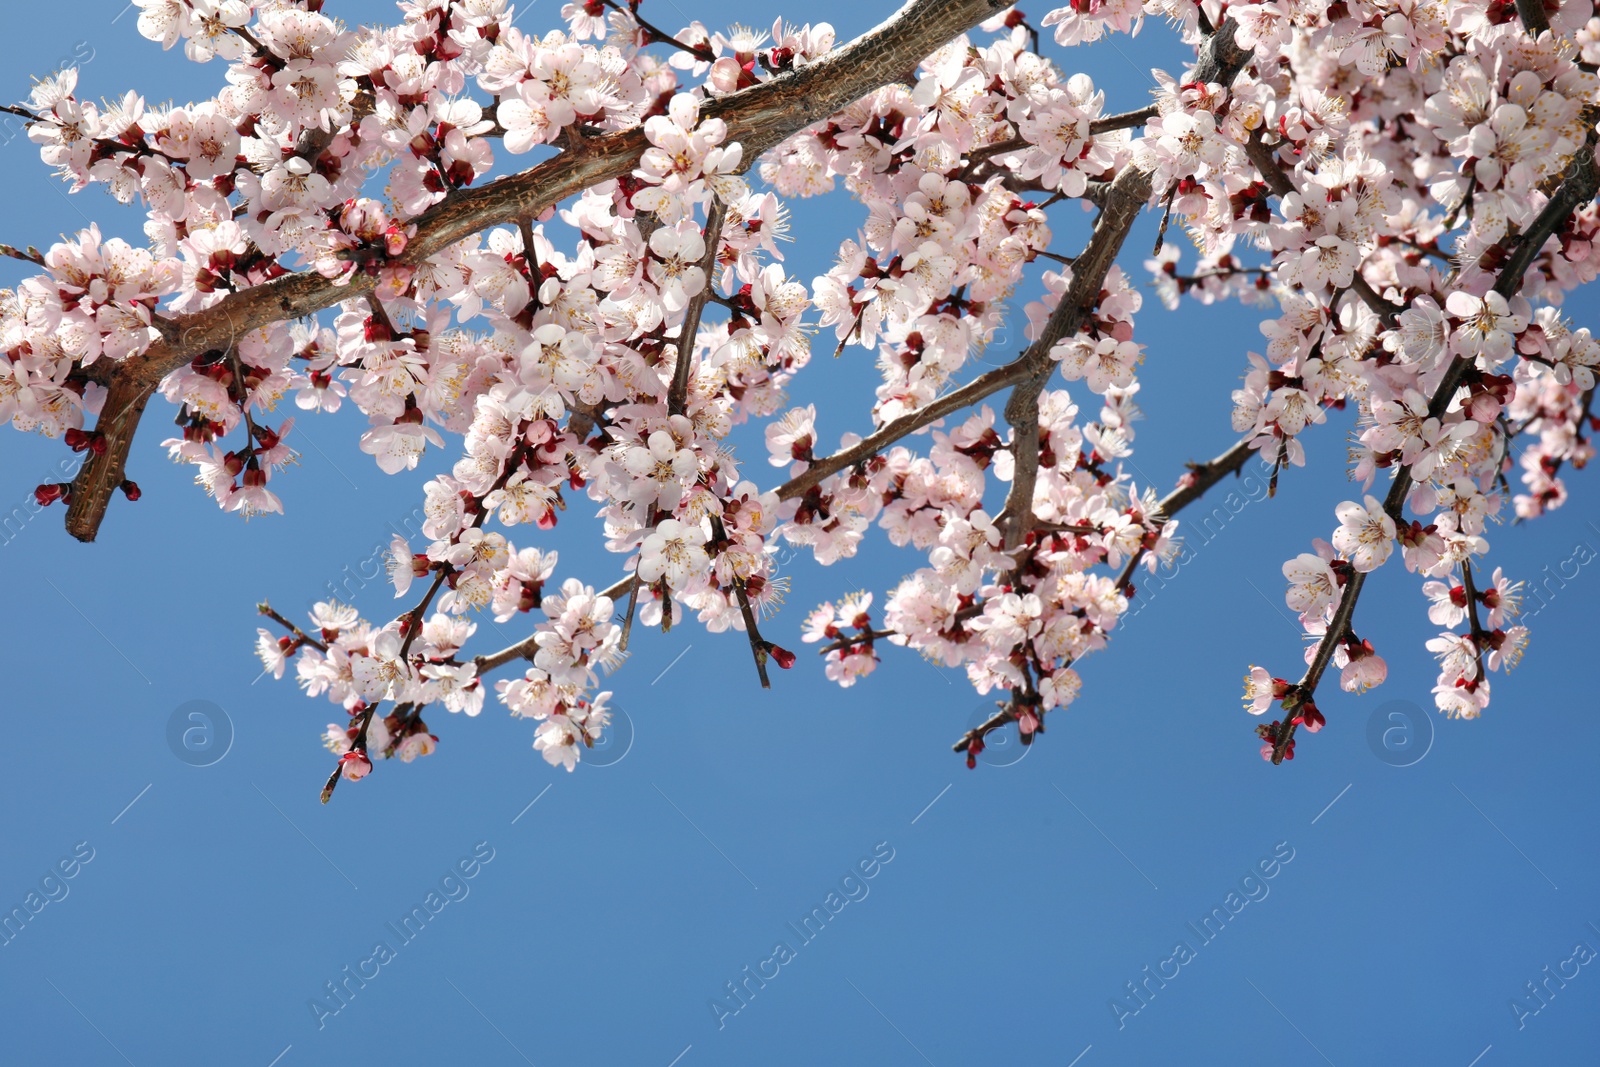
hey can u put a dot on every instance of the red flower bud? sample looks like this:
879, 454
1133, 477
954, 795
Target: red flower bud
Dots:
784, 657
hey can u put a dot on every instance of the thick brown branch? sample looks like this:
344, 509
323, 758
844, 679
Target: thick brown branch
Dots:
102, 473
1018, 513
1120, 209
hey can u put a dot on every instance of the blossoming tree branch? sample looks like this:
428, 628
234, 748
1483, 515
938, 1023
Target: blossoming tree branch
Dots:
1405, 189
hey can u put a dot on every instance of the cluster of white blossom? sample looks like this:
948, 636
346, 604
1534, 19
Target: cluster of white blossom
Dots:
1367, 171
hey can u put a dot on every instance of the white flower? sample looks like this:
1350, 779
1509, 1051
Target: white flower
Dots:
272, 654
255, 498
401, 571
1008, 620
381, 674
1503, 598
1507, 150
675, 268
293, 184
1364, 671
791, 438
1448, 605
1365, 534
564, 359
1509, 653
1404, 426
397, 446
661, 468
1421, 332
420, 743
525, 114
673, 549
1459, 702
1331, 260
1488, 326
558, 741
1104, 363
164, 21
1312, 586
1457, 656
1576, 358
459, 689
1260, 690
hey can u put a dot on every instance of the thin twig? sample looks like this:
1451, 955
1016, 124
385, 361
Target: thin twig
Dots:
702, 53
1480, 637
679, 393
266, 609
1125, 121
758, 647
32, 255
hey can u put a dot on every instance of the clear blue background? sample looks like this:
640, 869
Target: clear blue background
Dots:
618, 905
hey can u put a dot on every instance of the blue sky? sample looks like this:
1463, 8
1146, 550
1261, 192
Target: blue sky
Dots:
1007, 909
